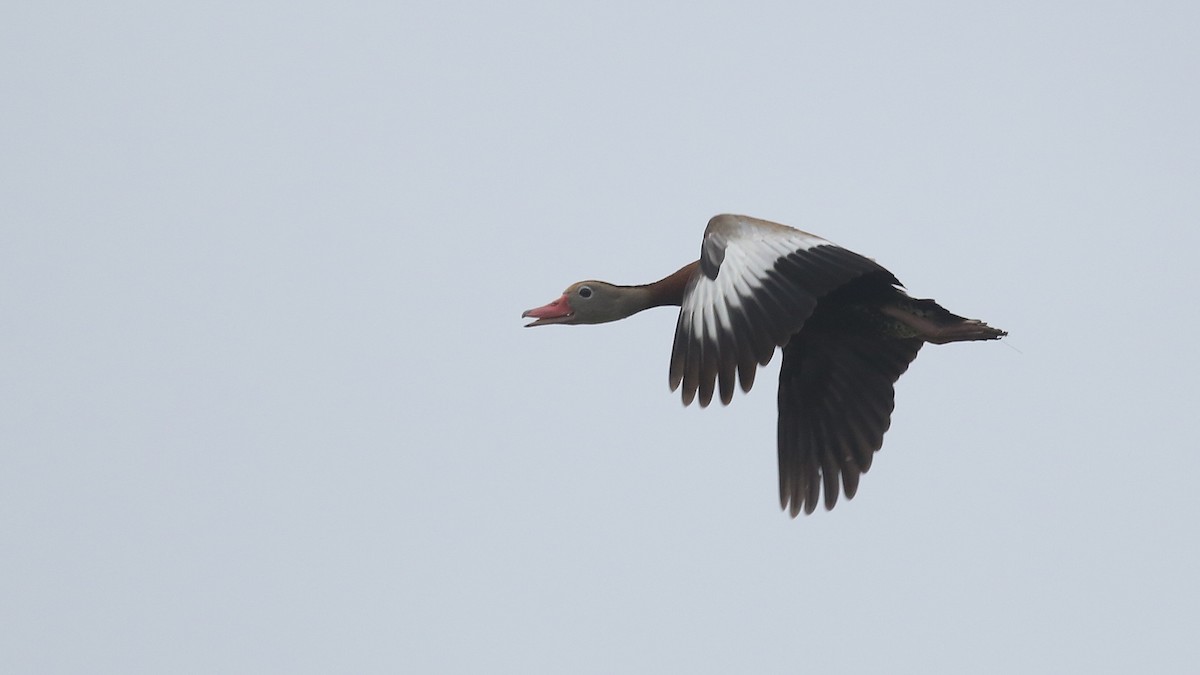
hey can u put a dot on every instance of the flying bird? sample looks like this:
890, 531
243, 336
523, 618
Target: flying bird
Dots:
846, 327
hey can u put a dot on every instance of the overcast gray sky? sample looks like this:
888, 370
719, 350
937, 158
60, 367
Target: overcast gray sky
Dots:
268, 405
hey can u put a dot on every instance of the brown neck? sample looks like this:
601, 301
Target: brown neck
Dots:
668, 291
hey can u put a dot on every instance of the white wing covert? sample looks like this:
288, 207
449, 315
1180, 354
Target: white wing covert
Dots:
758, 283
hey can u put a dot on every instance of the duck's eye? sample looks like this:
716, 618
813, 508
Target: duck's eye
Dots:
585, 291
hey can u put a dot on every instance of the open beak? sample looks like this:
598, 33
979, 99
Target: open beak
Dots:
558, 311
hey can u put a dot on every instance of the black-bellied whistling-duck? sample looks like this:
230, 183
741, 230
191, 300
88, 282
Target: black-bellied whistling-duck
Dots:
846, 328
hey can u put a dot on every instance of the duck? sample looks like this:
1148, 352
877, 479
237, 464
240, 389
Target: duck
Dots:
846, 327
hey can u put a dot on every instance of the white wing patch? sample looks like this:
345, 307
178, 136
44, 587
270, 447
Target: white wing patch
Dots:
731, 322
750, 254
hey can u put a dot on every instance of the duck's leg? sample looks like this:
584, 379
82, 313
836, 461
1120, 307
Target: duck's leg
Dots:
933, 323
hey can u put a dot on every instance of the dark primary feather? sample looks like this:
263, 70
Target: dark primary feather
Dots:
836, 399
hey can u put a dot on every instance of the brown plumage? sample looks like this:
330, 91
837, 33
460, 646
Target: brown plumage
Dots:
846, 328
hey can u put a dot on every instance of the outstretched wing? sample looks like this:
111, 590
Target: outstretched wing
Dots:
758, 283
835, 402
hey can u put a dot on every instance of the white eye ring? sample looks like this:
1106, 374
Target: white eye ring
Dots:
585, 292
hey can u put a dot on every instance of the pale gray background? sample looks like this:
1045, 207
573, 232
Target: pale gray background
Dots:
267, 405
